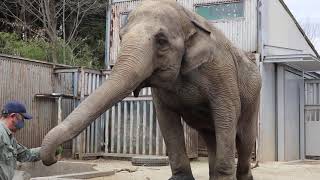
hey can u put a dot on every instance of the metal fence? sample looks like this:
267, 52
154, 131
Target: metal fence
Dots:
312, 118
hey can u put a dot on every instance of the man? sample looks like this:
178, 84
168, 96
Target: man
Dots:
12, 118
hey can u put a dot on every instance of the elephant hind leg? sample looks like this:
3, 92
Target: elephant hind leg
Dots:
245, 140
210, 139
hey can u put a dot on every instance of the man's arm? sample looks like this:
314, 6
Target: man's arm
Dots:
28, 155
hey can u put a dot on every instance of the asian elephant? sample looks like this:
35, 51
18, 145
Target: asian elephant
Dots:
195, 73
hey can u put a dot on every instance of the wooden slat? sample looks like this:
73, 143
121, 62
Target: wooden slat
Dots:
151, 120
97, 122
87, 132
144, 124
113, 111
90, 89
75, 93
82, 143
138, 128
119, 128
140, 98
131, 128
157, 138
163, 147
107, 124
125, 120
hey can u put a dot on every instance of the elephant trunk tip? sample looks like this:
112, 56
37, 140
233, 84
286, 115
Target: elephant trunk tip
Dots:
48, 158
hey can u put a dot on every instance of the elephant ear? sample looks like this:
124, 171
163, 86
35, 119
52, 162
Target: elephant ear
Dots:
197, 42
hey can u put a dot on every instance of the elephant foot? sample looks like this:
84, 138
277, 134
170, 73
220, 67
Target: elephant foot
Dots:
245, 177
225, 178
182, 178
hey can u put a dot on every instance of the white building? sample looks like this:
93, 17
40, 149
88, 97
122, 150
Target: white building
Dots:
286, 59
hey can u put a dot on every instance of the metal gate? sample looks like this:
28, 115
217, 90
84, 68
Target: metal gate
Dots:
312, 118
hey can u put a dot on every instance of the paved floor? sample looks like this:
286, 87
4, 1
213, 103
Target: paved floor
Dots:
306, 170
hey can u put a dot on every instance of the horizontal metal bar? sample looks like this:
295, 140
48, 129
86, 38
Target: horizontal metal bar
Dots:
286, 60
292, 56
312, 81
279, 47
312, 107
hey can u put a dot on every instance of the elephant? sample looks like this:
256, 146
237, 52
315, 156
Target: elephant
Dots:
195, 73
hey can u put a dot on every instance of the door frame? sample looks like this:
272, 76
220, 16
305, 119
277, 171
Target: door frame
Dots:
280, 109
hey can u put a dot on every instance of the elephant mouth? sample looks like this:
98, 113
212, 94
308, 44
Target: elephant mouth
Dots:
144, 84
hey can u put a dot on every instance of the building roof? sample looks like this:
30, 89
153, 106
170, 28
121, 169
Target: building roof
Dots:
300, 28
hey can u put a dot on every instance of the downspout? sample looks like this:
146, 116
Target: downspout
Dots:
107, 41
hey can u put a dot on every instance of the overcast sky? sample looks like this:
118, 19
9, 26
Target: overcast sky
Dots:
307, 11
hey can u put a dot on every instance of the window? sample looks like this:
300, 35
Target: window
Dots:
221, 10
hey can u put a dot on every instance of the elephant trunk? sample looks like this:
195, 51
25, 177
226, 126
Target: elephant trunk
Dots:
132, 67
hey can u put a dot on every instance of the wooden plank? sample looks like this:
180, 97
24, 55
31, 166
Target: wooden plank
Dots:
144, 125
90, 89
163, 147
157, 138
125, 121
119, 128
119, 155
97, 135
140, 98
151, 121
138, 128
87, 132
106, 130
131, 128
63, 70
113, 111
82, 142
75, 91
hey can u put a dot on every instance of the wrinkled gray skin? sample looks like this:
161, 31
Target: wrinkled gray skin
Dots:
195, 73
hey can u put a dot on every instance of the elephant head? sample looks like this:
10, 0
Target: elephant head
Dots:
160, 41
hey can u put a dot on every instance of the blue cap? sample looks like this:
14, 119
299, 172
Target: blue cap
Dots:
16, 107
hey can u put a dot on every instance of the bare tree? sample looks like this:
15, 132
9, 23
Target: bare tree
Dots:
59, 18
312, 30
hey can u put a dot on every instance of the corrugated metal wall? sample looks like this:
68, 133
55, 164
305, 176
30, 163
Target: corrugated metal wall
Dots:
241, 31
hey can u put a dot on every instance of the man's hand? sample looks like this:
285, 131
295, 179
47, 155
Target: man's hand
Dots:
59, 150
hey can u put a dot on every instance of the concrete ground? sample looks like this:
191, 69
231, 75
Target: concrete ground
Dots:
298, 170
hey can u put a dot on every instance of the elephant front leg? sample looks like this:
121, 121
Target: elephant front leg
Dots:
172, 132
225, 127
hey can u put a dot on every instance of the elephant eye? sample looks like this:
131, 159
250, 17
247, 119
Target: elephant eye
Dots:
162, 41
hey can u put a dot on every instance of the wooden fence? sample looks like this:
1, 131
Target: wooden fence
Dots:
128, 128
51, 92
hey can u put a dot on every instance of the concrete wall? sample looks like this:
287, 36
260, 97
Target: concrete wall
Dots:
267, 124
